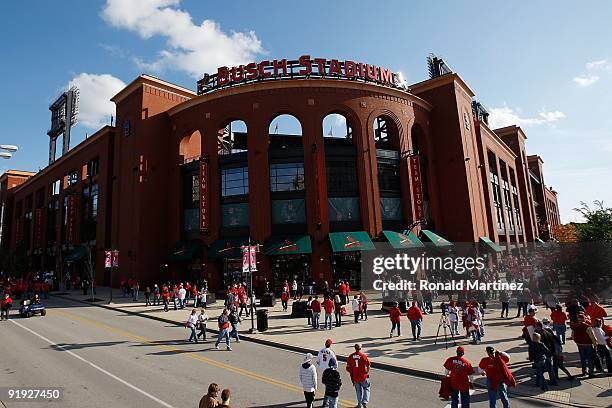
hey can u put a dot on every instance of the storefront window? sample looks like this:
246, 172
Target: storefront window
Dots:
235, 215
341, 177
343, 209
391, 208
288, 211
234, 181
290, 268
287, 177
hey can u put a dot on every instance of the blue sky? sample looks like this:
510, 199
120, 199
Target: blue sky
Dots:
545, 66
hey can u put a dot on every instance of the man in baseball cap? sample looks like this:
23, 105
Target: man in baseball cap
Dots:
325, 354
460, 370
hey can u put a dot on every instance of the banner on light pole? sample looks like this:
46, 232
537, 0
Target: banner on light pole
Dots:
249, 258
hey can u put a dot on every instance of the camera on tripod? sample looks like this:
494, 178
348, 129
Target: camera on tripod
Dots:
444, 308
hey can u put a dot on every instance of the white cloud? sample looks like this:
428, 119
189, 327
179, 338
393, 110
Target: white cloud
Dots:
192, 48
597, 64
96, 90
506, 116
585, 80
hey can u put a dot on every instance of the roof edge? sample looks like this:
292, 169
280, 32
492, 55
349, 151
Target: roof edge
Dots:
151, 80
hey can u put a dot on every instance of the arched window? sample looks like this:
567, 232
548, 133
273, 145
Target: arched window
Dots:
335, 126
386, 139
287, 177
232, 138
190, 147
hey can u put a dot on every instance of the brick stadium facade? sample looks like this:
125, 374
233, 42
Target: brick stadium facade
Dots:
177, 191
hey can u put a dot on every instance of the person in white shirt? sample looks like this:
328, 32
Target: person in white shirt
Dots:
192, 320
453, 318
308, 379
356, 305
601, 348
294, 287
182, 293
202, 321
325, 354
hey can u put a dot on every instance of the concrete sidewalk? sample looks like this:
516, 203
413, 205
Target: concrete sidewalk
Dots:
422, 358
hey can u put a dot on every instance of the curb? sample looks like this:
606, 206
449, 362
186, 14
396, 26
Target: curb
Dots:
380, 366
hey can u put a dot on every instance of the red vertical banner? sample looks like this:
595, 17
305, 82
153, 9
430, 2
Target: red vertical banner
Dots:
70, 224
417, 187
17, 230
204, 221
38, 228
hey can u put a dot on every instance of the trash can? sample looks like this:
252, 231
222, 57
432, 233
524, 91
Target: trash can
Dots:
267, 300
298, 309
262, 320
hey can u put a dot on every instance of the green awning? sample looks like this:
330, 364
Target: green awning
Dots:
76, 254
403, 240
283, 245
227, 248
351, 241
490, 245
435, 239
185, 251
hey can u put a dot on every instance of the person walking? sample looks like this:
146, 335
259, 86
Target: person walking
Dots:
308, 379
284, 299
294, 287
539, 355
453, 318
493, 366
191, 323
147, 294
224, 324
415, 315
356, 306
234, 319
559, 317
210, 399
166, 297
505, 302
328, 305
316, 312
338, 310
460, 370
395, 315
5, 307
364, 306
332, 381
182, 294
602, 351
156, 295
135, 290
325, 355
202, 322
358, 367
309, 310
226, 396
580, 334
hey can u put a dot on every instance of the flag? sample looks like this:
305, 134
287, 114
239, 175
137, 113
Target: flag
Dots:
276, 129
331, 132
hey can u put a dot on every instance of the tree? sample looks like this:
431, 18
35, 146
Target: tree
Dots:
598, 225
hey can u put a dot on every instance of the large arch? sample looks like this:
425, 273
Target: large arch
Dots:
190, 146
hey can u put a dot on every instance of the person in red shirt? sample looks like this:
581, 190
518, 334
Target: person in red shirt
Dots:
358, 367
343, 293
559, 317
460, 370
5, 306
496, 387
285, 299
529, 323
395, 314
415, 315
316, 312
580, 335
165, 297
596, 311
328, 305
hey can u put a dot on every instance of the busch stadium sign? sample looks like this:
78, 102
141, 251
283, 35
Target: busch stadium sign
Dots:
303, 68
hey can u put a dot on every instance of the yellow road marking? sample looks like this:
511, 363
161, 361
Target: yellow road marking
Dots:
227, 367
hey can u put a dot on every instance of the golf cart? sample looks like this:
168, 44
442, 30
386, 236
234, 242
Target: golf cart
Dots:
29, 308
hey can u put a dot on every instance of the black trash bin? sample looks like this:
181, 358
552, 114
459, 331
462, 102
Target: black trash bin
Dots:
267, 300
298, 309
262, 320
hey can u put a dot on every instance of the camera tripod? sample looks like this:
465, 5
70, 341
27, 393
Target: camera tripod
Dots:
445, 324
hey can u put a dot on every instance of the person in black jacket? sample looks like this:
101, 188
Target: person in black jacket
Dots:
333, 382
538, 354
552, 343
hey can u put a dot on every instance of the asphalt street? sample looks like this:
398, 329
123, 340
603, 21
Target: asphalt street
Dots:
104, 358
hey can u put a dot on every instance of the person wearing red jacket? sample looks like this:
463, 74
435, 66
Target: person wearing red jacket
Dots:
284, 299
358, 367
5, 306
342, 290
460, 370
395, 314
496, 387
165, 297
415, 315
596, 311
559, 317
316, 312
580, 334
328, 305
